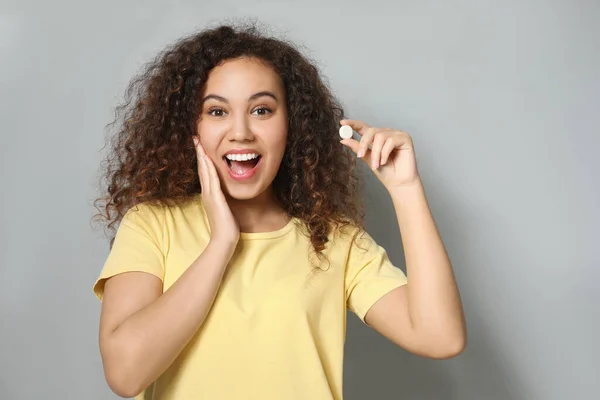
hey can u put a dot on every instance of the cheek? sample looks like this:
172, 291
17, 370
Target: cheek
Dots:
279, 138
278, 146
209, 137
281, 142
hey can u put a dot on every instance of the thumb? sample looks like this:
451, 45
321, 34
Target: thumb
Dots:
353, 145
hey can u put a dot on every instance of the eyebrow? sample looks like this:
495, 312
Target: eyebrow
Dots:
253, 97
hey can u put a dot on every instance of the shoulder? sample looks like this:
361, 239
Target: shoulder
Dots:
349, 234
155, 217
171, 221
144, 211
144, 215
353, 239
162, 221
161, 212
356, 246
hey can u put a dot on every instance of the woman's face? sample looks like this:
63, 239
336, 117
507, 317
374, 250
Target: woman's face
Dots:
243, 125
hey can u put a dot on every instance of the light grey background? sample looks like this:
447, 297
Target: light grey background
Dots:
502, 99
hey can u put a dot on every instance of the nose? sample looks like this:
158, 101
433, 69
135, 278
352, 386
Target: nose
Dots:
241, 130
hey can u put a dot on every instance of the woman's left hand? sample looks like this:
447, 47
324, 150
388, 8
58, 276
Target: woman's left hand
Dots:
391, 154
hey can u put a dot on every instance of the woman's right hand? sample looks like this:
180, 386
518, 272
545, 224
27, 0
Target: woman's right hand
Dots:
223, 225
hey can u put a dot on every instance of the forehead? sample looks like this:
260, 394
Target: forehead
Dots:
243, 75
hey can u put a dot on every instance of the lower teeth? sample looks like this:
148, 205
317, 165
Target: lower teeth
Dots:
242, 167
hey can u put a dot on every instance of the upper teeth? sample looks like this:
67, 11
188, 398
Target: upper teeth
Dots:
241, 157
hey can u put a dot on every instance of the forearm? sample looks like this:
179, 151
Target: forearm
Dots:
147, 342
433, 298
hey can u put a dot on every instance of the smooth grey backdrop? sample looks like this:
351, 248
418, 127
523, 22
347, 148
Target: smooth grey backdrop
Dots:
502, 99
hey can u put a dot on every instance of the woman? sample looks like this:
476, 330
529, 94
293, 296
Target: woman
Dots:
240, 241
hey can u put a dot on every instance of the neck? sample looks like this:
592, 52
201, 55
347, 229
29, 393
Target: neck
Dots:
263, 213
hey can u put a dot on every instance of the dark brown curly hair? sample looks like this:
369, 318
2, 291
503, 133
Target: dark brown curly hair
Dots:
153, 157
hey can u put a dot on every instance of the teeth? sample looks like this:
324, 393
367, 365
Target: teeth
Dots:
241, 157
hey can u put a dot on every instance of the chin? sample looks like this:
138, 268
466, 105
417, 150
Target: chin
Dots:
238, 191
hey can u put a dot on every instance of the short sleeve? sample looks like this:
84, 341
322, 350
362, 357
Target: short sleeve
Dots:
369, 275
137, 247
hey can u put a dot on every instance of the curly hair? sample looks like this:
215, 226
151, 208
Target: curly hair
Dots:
153, 157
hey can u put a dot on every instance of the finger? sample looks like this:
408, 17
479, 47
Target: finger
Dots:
352, 144
201, 149
359, 126
202, 167
387, 149
365, 142
215, 182
378, 142
207, 181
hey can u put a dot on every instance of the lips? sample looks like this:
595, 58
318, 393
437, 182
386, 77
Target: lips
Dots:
242, 164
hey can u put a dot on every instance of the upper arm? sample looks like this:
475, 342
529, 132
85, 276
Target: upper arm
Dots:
391, 318
370, 275
124, 295
377, 292
134, 269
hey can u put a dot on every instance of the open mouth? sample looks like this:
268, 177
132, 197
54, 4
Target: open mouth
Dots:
242, 165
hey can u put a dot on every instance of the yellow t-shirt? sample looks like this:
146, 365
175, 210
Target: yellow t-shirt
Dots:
276, 330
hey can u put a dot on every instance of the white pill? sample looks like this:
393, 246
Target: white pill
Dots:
346, 132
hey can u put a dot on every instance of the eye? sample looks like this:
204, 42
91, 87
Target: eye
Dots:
216, 112
262, 111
